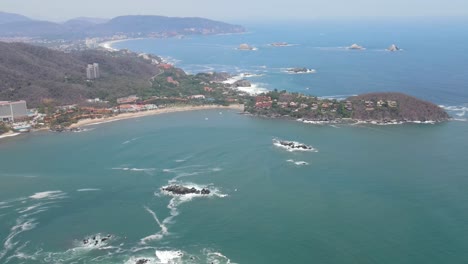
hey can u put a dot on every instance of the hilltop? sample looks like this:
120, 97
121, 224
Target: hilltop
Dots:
11, 18
13, 25
395, 106
35, 73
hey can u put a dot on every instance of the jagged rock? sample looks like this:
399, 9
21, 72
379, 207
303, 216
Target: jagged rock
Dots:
142, 261
393, 47
300, 70
182, 190
241, 83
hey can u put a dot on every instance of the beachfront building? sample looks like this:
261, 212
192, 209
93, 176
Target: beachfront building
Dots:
9, 111
92, 71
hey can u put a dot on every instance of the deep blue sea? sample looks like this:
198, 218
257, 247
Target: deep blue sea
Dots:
368, 194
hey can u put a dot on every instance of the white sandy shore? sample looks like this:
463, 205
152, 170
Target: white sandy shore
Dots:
9, 134
89, 122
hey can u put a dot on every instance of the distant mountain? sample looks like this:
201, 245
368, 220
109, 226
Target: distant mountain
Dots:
155, 24
94, 20
11, 18
132, 26
35, 73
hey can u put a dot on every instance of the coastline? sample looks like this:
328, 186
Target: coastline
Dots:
175, 109
9, 134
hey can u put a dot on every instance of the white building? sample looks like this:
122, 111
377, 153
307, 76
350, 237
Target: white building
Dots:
92, 71
9, 111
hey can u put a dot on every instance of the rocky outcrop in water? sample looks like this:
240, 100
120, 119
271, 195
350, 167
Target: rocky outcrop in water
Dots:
182, 190
241, 83
393, 47
355, 47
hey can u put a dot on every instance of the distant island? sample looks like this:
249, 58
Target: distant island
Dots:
356, 47
84, 33
279, 44
14, 25
246, 47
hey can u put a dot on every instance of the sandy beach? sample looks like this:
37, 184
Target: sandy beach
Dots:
89, 122
9, 134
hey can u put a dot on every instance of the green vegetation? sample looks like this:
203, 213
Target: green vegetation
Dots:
173, 85
34, 73
295, 105
3, 128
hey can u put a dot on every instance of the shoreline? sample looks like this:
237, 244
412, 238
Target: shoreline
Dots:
9, 134
175, 109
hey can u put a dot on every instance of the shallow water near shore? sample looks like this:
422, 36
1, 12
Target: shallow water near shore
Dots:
369, 194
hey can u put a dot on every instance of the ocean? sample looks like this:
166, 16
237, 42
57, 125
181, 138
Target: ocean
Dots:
368, 194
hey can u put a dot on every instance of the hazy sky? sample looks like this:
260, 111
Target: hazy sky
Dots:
235, 10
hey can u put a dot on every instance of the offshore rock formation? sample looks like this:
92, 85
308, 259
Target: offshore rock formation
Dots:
182, 190
393, 47
355, 47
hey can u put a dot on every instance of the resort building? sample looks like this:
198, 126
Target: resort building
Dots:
92, 71
9, 111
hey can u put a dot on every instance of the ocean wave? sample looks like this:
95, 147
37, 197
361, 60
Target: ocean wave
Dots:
88, 190
22, 225
51, 195
159, 235
298, 163
169, 256
130, 141
458, 110
135, 169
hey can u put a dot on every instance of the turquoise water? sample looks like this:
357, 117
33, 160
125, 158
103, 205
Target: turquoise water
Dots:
371, 194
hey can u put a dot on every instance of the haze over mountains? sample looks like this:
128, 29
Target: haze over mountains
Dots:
14, 25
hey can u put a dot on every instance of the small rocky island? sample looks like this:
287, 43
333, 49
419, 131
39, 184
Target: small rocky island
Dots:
292, 145
375, 108
355, 47
182, 190
300, 70
279, 44
246, 47
393, 48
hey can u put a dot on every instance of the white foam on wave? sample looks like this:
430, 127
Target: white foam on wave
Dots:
277, 143
88, 190
135, 169
130, 141
22, 225
159, 235
169, 256
48, 195
458, 110
216, 257
254, 89
298, 163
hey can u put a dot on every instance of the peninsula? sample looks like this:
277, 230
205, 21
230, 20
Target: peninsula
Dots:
376, 108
